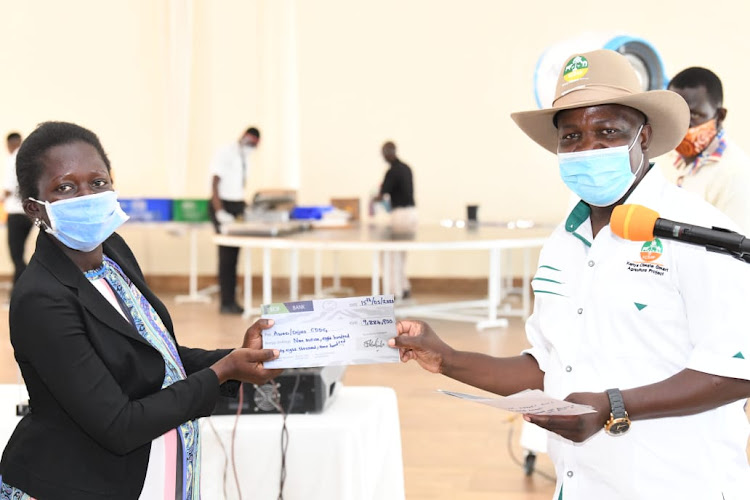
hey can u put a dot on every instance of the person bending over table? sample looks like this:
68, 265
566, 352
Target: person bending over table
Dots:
652, 335
114, 399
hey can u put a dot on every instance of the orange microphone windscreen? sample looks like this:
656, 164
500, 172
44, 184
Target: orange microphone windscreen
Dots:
633, 222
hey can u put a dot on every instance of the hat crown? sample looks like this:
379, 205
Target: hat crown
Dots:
593, 75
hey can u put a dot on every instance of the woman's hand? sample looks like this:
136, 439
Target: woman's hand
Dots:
416, 340
246, 363
577, 428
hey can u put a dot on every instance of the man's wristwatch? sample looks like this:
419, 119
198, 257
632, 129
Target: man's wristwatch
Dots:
618, 423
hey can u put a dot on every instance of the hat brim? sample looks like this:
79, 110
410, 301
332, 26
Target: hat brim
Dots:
666, 111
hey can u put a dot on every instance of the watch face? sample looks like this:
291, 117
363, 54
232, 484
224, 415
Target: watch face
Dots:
619, 426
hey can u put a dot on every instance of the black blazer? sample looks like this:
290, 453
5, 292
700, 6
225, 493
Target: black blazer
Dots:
94, 383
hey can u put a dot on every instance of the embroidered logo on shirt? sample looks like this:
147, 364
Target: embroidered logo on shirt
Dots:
651, 250
640, 307
649, 253
739, 355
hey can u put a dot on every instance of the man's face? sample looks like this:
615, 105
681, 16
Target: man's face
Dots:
605, 126
701, 107
250, 140
389, 153
13, 144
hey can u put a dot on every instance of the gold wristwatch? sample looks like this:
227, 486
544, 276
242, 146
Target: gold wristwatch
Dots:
618, 423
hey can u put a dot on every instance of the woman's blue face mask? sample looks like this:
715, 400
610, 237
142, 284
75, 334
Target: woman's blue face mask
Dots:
600, 177
84, 222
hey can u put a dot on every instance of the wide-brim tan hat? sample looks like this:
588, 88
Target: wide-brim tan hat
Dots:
606, 77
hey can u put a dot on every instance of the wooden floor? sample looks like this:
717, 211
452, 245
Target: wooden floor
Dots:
451, 449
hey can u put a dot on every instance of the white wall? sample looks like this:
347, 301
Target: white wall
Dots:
438, 77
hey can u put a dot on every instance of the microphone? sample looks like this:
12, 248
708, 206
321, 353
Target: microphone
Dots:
638, 223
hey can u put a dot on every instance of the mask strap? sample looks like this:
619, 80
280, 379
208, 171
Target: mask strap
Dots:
640, 165
39, 222
637, 135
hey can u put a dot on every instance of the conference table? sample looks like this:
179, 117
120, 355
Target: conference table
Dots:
382, 243
351, 450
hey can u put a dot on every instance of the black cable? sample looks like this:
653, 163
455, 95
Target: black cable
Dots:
276, 399
518, 462
234, 436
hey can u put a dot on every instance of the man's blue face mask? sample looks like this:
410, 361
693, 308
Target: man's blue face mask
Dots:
600, 177
84, 222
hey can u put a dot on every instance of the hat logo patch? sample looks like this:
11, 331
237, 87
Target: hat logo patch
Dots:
576, 69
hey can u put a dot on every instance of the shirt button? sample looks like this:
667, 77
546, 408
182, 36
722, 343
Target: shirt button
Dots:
580, 310
591, 263
568, 368
570, 473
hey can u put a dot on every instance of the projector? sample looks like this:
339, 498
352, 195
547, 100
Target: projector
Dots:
298, 390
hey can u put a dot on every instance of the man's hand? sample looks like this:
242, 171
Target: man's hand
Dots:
416, 340
224, 217
577, 428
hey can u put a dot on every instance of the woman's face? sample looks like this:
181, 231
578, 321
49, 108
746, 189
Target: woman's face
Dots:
72, 170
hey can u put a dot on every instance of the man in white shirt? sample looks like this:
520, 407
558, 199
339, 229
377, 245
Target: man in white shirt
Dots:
652, 335
230, 168
707, 162
19, 226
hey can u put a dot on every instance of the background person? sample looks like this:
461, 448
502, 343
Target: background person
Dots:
707, 162
114, 399
230, 168
398, 184
665, 348
19, 226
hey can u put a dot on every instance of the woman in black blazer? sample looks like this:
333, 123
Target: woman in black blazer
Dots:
96, 348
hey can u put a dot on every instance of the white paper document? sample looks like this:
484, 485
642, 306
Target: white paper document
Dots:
347, 331
531, 402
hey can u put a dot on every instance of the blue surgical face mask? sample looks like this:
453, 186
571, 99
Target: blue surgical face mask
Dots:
84, 222
600, 177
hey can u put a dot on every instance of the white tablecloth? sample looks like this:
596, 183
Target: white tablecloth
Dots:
351, 451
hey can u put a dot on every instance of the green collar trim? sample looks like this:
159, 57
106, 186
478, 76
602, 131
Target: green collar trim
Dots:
577, 216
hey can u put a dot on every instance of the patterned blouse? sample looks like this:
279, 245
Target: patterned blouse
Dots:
174, 464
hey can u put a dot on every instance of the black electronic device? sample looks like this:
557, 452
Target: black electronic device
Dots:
300, 390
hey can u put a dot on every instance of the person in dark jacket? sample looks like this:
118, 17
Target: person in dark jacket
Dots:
114, 399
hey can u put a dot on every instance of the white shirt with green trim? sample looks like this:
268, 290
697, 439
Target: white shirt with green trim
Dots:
612, 313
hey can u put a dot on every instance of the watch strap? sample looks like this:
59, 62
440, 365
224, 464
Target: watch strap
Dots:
616, 403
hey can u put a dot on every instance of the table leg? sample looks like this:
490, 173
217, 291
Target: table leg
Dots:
336, 275
294, 274
387, 272
375, 277
247, 293
494, 285
267, 276
318, 273
193, 294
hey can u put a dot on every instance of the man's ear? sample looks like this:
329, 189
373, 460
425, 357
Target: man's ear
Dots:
646, 135
721, 115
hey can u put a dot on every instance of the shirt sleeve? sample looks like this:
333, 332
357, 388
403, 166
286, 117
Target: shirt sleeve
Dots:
10, 183
218, 163
715, 288
536, 339
731, 193
55, 346
388, 182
